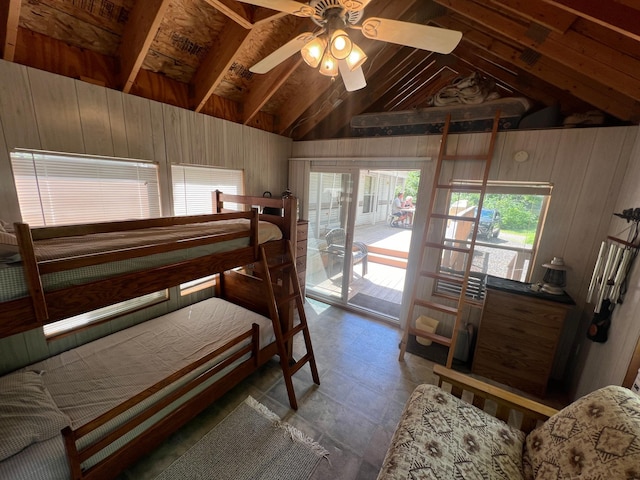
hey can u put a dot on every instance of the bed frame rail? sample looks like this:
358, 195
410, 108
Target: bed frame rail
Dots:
155, 434
518, 411
42, 307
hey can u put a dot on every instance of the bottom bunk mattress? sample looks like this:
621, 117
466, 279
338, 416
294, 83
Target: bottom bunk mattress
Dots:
81, 384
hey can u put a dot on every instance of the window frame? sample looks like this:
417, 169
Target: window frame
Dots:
476, 287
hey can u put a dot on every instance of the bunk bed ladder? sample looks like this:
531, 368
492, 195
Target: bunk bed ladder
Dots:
435, 247
283, 287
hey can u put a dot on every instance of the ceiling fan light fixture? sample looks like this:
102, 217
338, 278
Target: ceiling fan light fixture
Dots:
329, 65
356, 58
312, 52
341, 44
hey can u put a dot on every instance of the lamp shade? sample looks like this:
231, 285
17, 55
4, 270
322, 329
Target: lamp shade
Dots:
329, 65
356, 58
312, 52
340, 44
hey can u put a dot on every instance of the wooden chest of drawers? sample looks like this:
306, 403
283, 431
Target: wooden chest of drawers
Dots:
517, 339
302, 231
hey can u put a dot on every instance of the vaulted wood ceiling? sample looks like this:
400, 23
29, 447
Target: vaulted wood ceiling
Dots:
579, 54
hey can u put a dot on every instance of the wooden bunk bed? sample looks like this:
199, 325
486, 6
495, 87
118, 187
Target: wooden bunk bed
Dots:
207, 244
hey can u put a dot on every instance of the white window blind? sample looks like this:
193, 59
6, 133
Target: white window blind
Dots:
58, 189
193, 187
62, 189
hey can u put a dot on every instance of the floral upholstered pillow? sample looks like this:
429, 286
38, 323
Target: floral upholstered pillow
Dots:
597, 436
440, 436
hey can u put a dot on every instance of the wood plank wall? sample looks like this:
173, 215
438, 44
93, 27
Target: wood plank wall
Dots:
587, 168
40, 110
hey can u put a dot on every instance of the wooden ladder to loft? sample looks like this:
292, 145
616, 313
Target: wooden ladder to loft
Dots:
435, 245
283, 287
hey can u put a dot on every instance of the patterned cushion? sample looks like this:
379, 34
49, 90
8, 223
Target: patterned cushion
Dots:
596, 437
442, 437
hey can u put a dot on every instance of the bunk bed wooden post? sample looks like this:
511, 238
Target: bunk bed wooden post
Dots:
31, 271
73, 456
217, 201
253, 239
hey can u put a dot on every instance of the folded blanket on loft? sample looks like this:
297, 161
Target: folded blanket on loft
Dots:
464, 118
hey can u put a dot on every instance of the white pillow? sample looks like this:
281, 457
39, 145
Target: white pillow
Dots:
8, 245
28, 414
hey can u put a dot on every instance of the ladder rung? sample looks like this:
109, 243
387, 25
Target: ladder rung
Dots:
286, 299
437, 306
300, 363
446, 341
442, 276
478, 157
461, 188
294, 331
442, 246
280, 266
453, 217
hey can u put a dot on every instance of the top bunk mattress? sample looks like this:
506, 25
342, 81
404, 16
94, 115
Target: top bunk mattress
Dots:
13, 284
80, 245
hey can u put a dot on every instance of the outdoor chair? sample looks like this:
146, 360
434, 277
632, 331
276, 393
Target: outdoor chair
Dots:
335, 246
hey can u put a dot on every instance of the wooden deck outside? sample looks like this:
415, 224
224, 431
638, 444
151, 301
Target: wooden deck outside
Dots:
383, 282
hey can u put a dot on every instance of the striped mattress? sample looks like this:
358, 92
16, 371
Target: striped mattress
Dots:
93, 378
13, 285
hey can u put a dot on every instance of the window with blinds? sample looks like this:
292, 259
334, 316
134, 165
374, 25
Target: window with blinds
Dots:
61, 189
57, 189
193, 187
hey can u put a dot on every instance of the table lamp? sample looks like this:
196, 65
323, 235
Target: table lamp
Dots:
555, 277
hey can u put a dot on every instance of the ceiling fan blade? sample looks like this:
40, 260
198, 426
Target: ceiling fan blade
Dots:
281, 54
435, 39
353, 80
288, 6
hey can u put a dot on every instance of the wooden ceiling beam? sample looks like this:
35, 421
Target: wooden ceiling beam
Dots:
555, 73
216, 64
263, 87
549, 16
296, 108
9, 20
262, 91
616, 16
551, 47
233, 10
142, 26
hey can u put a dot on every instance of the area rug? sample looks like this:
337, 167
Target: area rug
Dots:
376, 304
251, 443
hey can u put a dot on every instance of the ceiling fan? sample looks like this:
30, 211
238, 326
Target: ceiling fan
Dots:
331, 48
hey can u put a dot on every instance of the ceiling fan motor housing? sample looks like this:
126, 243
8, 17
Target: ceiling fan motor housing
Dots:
326, 9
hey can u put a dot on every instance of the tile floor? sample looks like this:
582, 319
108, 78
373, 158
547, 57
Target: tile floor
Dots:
354, 411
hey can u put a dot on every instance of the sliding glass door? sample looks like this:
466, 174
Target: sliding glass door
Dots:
329, 247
